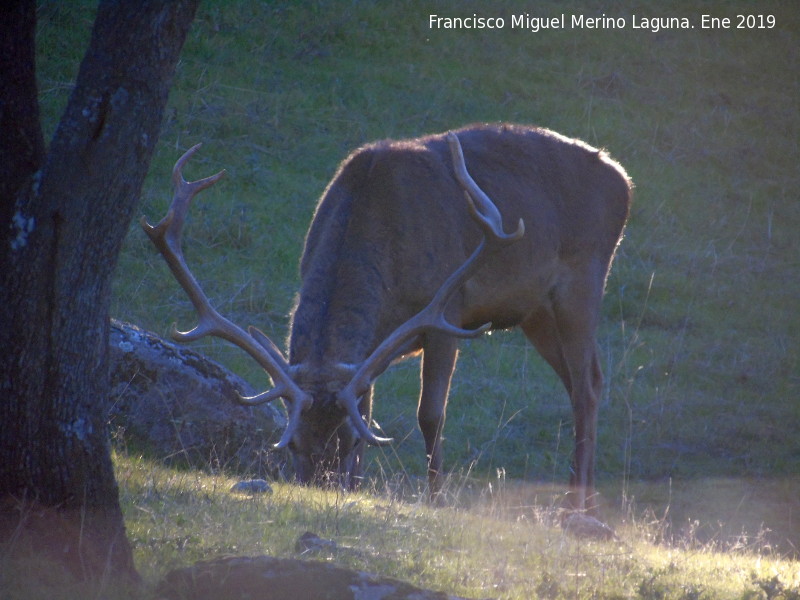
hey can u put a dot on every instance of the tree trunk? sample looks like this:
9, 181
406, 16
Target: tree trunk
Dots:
65, 215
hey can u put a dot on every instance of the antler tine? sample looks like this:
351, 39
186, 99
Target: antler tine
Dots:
486, 214
482, 209
429, 318
166, 236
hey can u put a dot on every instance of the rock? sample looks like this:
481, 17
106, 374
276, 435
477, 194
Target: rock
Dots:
268, 578
178, 406
584, 526
252, 486
311, 542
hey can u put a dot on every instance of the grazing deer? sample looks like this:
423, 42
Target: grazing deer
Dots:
407, 252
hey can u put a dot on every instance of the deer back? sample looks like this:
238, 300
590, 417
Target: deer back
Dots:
391, 226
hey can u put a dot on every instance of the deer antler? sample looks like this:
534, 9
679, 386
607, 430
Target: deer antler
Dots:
166, 236
431, 318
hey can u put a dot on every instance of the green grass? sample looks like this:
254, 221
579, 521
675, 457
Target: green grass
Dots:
701, 332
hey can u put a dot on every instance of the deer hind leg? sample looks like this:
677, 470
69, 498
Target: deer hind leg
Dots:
564, 334
438, 363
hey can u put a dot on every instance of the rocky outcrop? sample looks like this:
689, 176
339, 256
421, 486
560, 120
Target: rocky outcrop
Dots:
174, 404
268, 578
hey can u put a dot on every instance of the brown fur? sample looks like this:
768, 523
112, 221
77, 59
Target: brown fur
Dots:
390, 228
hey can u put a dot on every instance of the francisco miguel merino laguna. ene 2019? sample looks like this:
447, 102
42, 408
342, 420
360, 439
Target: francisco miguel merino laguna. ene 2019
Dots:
536, 23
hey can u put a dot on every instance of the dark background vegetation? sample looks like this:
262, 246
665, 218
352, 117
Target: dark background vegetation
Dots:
701, 332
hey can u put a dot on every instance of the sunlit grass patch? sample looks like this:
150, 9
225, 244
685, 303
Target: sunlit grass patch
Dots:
500, 542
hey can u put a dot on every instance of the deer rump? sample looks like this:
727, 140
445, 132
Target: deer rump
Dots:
392, 226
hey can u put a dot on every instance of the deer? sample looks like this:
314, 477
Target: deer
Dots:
408, 252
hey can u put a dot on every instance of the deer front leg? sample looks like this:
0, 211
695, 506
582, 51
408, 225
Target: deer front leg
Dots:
438, 363
351, 468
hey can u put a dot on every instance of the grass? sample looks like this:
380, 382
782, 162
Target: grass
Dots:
701, 333
490, 543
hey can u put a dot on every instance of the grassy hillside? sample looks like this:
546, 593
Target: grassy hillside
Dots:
701, 332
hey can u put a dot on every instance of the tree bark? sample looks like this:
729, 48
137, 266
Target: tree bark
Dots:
22, 149
65, 214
